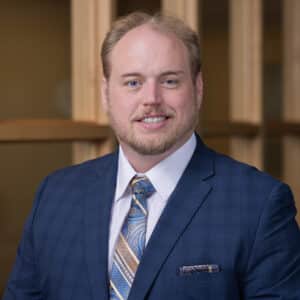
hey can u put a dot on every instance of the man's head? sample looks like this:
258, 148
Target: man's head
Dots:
160, 22
151, 91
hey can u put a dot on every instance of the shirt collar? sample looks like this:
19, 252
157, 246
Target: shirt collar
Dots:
125, 174
164, 176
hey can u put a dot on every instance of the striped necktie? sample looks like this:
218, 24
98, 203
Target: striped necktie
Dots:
131, 240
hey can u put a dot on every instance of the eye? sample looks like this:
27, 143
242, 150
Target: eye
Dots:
170, 82
133, 83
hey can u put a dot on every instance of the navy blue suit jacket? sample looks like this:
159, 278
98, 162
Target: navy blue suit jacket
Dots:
221, 213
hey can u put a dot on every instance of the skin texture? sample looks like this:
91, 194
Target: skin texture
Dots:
150, 97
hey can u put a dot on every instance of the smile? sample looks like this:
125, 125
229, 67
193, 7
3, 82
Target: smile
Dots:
153, 119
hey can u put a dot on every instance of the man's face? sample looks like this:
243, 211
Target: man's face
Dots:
150, 97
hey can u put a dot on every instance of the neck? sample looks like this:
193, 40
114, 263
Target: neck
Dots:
142, 163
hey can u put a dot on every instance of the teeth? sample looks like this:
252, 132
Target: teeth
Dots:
153, 119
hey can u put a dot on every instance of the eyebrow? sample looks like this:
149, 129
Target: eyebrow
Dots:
131, 74
165, 73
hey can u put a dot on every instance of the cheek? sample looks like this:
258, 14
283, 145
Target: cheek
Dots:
121, 106
182, 102
116, 99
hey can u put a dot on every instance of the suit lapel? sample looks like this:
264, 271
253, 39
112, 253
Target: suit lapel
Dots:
184, 202
97, 210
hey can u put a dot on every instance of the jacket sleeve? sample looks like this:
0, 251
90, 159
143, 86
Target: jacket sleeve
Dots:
274, 265
24, 283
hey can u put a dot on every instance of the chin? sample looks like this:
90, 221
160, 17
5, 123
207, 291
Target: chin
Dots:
154, 147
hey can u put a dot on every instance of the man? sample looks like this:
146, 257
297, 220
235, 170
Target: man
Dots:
164, 217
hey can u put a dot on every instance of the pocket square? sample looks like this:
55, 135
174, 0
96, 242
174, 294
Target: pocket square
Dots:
188, 270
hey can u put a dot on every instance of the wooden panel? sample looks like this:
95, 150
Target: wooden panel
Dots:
91, 20
186, 10
291, 103
291, 69
291, 168
52, 130
246, 75
228, 129
248, 150
246, 60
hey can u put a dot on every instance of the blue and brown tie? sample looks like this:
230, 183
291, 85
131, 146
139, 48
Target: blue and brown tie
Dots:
131, 240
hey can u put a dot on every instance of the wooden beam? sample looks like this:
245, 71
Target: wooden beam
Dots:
246, 75
246, 60
224, 129
282, 129
91, 20
85, 104
105, 14
52, 131
291, 70
59, 130
291, 129
291, 103
229, 129
188, 11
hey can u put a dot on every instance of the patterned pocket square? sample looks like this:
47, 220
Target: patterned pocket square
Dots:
188, 270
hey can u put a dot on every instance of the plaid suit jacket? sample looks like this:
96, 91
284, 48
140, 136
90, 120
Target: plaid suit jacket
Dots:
227, 232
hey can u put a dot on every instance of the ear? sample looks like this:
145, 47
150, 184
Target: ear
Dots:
104, 94
199, 89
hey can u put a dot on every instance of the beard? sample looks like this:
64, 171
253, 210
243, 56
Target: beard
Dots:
155, 144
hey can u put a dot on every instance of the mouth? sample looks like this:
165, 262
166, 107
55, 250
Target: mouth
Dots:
153, 119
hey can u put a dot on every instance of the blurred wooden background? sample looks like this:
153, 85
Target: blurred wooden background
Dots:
50, 112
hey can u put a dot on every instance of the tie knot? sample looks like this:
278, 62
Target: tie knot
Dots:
141, 187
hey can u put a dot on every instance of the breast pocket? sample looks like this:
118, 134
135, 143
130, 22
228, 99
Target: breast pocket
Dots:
210, 281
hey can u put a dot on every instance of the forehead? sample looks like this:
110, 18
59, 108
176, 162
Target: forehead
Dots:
146, 48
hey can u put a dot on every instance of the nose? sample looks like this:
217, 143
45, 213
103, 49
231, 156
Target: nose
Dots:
151, 95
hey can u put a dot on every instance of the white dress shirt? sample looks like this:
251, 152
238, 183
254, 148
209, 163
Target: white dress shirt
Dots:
164, 177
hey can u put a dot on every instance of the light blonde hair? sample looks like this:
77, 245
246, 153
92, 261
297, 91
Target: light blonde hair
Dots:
160, 22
